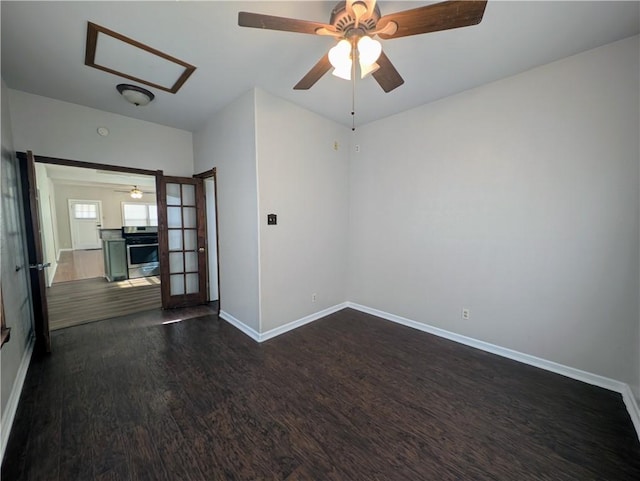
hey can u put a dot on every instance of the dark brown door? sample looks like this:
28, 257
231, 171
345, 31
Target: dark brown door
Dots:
36, 256
182, 241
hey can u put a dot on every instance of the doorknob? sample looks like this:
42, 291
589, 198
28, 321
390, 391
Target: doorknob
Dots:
201, 249
39, 267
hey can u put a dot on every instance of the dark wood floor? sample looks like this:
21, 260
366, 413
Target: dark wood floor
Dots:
348, 397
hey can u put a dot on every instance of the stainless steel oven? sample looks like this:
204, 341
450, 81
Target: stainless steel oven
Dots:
142, 251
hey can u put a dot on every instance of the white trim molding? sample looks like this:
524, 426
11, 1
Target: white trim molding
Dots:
270, 334
60, 251
249, 331
16, 390
632, 406
573, 373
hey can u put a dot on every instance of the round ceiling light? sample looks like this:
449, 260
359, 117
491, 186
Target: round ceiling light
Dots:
135, 95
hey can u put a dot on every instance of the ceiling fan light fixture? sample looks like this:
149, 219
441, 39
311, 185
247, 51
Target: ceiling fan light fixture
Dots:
367, 69
369, 51
340, 55
343, 72
135, 95
340, 59
135, 193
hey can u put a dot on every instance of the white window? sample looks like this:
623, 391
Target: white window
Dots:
84, 211
139, 214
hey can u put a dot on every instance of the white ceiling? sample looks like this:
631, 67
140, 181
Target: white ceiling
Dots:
43, 48
64, 174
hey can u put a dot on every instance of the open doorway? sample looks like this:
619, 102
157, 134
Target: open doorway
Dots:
99, 236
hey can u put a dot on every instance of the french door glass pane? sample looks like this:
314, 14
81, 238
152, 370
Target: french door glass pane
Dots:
189, 217
188, 194
177, 284
176, 262
190, 240
190, 262
192, 283
173, 194
174, 217
175, 240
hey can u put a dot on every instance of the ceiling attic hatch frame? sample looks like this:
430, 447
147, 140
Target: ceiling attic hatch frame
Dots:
114, 53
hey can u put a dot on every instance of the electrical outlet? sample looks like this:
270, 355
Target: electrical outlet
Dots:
357, 147
314, 297
466, 313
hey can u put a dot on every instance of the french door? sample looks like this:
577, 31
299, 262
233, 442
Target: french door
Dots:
182, 241
35, 252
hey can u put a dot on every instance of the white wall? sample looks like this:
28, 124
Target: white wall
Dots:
59, 129
48, 218
518, 200
304, 181
111, 206
15, 289
228, 143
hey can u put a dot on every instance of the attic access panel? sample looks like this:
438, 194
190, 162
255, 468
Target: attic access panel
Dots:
112, 52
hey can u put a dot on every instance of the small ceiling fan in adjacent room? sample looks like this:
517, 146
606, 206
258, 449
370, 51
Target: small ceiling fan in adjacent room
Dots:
135, 193
355, 23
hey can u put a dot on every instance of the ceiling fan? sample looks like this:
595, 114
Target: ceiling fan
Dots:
135, 193
356, 22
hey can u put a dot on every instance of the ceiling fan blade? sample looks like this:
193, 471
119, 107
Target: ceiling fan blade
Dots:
316, 72
258, 20
433, 18
387, 75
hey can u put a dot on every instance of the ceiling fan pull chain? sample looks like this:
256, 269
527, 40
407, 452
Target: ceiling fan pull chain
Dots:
353, 89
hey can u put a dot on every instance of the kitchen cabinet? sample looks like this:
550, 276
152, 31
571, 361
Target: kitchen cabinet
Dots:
115, 259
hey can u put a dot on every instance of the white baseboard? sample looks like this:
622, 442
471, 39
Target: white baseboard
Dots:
60, 251
632, 406
12, 403
252, 333
270, 334
573, 373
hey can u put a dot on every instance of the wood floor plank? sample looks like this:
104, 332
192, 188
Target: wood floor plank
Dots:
180, 394
79, 264
89, 300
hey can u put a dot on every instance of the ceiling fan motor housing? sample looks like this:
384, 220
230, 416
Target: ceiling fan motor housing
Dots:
344, 21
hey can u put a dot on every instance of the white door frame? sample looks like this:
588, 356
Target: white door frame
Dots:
212, 236
74, 240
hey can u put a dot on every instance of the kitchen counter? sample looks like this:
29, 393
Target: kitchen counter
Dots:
115, 259
109, 234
